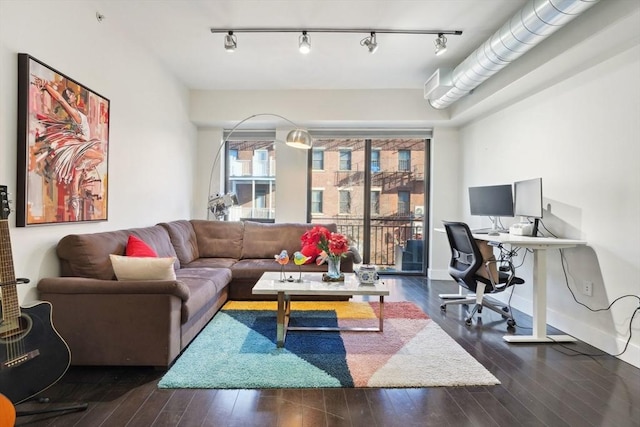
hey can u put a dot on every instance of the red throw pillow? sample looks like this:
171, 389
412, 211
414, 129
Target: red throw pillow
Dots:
310, 251
138, 248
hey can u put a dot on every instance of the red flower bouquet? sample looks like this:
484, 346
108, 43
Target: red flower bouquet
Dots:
319, 241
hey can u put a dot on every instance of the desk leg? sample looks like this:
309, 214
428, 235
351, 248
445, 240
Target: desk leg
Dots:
381, 313
539, 305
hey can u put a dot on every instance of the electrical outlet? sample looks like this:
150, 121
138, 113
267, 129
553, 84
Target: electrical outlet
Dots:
587, 288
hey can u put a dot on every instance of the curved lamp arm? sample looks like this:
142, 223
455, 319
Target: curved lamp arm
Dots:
297, 138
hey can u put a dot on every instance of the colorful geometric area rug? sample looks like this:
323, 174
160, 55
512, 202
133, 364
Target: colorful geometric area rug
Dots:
237, 350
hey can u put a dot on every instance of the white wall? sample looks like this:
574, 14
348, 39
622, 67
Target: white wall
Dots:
444, 200
582, 137
152, 142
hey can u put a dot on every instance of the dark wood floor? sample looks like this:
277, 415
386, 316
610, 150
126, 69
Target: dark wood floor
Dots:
541, 386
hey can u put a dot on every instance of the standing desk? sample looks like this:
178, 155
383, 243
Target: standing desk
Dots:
539, 245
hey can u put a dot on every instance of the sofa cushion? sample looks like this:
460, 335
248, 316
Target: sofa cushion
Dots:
184, 240
143, 268
219, 239
205, 284
87, 255
264, 240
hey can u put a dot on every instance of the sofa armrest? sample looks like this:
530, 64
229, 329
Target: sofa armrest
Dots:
106, 322
82, 285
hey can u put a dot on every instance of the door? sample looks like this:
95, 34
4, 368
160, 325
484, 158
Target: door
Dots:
375, 190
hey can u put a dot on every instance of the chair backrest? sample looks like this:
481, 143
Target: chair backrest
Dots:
466, 257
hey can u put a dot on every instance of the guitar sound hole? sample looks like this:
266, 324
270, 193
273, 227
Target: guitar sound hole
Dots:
14, 330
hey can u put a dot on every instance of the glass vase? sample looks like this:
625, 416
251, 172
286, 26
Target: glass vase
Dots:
333, 267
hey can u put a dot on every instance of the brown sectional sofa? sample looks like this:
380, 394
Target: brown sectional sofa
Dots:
149, 322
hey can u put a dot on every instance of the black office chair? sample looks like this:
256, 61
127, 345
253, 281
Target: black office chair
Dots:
466, 262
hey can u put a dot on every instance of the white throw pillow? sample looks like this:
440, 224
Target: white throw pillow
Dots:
143, 268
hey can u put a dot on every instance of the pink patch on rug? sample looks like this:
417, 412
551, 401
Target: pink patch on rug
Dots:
369, 351
400, 310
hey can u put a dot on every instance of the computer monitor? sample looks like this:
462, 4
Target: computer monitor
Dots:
528, 201
493, 201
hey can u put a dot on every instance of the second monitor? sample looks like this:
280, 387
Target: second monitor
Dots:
528, 203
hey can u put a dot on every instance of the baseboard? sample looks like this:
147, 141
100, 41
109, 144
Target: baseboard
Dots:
440, 274
582, 331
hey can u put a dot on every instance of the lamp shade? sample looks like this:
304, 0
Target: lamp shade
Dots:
299, 138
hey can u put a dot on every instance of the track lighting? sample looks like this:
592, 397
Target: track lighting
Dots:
370, 43
304, 44
441, 44
230, 42
304, 41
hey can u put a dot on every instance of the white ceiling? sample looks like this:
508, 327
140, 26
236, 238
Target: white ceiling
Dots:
178, 33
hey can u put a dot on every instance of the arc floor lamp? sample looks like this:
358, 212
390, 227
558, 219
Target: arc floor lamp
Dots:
219, 204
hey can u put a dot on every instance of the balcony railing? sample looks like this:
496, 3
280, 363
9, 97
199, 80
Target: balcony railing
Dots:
252, 168
237, 213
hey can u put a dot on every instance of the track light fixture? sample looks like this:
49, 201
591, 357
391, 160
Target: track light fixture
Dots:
230, 42
441, 44
304, 44
304, 41
370, 43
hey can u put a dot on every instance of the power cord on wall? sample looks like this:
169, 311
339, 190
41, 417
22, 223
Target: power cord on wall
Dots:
566, 280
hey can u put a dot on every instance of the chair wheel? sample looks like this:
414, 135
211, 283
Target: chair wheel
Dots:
467, 322
443, 307
480, 309
505, 309
511, 323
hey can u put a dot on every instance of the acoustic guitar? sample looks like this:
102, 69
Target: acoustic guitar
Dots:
33, 356
7, 412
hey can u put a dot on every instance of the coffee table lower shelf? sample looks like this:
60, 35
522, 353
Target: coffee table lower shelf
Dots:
284, 314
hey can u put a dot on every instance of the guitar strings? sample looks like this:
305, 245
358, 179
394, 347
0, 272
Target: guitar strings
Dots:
10, 325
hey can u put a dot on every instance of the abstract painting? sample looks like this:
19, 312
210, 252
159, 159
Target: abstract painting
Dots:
63, 147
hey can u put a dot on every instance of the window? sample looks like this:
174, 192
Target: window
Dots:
317, 161
261, 163
345, 160
345, 201
316, 201
375, 202
235, 166
251, 175
375, 161
404, 160
404, 200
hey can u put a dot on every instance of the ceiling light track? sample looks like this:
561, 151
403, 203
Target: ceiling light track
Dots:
304, 40
334, 30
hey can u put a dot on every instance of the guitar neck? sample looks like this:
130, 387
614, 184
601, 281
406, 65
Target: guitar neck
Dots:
8, 289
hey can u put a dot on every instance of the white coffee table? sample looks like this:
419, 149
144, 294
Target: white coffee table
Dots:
312, 285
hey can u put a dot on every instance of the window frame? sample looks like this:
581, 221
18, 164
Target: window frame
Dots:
341, 210
404, 164
315, 152
320, 192
349, 160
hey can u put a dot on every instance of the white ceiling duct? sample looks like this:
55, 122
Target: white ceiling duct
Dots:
528, 27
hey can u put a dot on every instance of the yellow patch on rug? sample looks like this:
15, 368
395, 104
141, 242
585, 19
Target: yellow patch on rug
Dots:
343, 309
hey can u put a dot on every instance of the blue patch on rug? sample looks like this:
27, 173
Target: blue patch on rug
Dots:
324, 350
